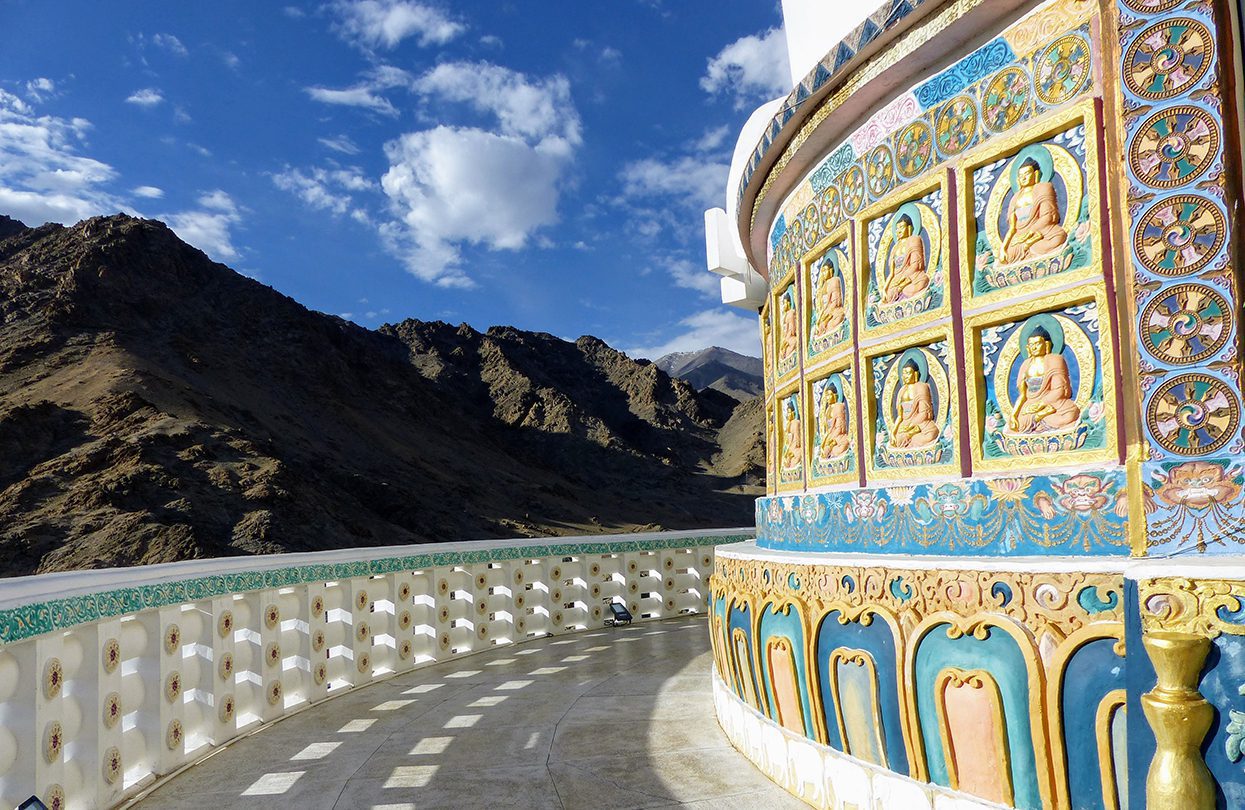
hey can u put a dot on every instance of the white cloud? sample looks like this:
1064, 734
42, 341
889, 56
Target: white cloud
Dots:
372, 24
341, 143
695, 181
710, 327
43, 178
40, 89
752, 69
712, 139
231, 60
448, 186
690, 275
496, 187
170, 43
367, 93
148, 192
529, 109
326, 189
209, 225
354, 97
147, 97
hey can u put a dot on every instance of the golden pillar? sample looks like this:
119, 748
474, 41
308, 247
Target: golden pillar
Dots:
1180, 718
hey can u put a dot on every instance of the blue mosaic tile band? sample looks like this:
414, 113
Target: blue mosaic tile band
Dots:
27, 621
1079, 515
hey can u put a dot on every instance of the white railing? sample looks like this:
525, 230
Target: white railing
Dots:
110, 680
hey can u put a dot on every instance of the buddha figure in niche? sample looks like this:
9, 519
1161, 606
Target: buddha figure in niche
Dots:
908, 277
828, 301
792, 445
914, 412
787, 335
832, 425
1034, 226
1045, 402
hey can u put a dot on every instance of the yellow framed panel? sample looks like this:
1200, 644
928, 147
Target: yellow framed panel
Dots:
902, 415
903, 260
789, 423
1037, 194
831, 455
828, 299
784, 305
1009, 431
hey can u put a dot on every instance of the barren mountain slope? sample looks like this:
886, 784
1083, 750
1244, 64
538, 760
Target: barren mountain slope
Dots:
156, 406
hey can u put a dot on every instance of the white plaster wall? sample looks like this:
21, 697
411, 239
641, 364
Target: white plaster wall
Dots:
813, 27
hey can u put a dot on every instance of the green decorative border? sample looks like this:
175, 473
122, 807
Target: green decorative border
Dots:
27, 621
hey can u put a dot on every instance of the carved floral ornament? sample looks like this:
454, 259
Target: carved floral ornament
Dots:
1046, 602
1203, 607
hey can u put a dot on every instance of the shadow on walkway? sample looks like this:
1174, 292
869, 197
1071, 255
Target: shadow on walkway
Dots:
616, 718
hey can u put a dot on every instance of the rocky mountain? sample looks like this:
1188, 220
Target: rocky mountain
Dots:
734, 374
155, 406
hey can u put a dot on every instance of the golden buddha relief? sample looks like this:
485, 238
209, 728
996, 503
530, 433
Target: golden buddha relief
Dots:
1030, 207
832, 433
786, 332
905, 262
828, 297
914, 408
1044, 387
790, 441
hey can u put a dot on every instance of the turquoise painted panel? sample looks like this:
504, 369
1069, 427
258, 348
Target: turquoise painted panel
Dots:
974, 67
787, 625
1092, 672
999, 655
876, 639
740, 617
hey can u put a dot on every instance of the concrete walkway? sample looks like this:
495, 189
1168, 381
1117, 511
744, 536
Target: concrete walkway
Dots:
607, 719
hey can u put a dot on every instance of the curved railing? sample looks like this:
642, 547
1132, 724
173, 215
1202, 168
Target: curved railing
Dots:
111, 680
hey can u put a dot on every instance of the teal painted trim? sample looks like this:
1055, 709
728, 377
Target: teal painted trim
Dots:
38, 618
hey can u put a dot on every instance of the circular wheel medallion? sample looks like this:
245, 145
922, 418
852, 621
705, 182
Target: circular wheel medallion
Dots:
853, 184
1179, 235
1193, 414
881, 167
1005, 99
830, 209
1168, 58
1174, 147
1062, 70
913, 148
1185, 324
955, 125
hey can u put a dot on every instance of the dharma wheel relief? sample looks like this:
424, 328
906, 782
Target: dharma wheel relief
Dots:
1003, 558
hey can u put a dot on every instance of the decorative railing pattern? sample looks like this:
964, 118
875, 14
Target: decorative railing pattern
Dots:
110, 680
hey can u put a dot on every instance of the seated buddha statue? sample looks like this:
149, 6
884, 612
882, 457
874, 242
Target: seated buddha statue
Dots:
914, 423
1045, 400
828, 302
793, 444
1033, 220
787, 335
832, 425
908, 278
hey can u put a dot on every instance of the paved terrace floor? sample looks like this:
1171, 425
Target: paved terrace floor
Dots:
619, 718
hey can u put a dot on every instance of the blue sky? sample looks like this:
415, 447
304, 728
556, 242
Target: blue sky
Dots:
539, 164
